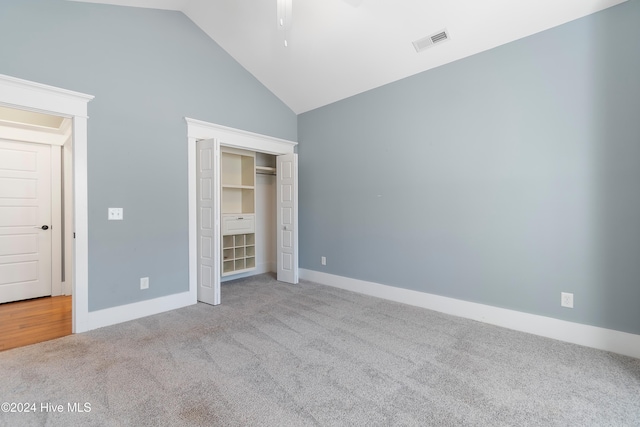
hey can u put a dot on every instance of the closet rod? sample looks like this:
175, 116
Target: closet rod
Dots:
265, 170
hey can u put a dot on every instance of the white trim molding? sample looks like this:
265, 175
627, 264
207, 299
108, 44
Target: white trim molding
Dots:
26, 95
575, 333
236, 138
42, 98
137, 310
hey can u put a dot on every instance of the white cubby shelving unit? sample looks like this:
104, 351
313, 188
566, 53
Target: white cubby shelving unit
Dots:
238, 253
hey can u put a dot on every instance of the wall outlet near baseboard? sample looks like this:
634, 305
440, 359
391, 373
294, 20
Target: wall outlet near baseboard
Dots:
566, 299
323, 260
116, 214
144, 283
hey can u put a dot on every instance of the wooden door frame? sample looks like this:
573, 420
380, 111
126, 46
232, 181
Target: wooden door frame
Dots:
228, 137
26, 95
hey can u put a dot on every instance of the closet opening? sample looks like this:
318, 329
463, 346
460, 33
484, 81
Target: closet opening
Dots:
242, 207
248, 209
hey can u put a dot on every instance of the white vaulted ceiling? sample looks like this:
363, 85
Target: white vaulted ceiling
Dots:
339, 48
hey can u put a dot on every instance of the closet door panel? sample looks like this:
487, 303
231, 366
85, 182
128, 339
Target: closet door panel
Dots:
208, 288
287, 199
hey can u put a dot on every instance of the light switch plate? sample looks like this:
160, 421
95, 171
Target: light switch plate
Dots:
115, 214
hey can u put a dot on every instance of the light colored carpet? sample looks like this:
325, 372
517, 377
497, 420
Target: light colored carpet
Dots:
281, 355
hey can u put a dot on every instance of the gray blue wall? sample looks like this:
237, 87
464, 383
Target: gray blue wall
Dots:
148, 69
503, 178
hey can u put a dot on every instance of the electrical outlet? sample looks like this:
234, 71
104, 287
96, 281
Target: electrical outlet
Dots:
144, 283
115, 214
566, 300
323, 260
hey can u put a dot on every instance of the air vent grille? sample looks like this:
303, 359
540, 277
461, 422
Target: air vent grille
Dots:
429, 41
439, 37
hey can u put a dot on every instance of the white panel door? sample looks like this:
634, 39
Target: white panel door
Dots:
25, 220
287, 217
208, 222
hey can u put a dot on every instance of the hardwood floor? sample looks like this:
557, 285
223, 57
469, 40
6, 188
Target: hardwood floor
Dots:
32, 321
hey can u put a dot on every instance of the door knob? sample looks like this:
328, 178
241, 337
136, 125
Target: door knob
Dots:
44, 227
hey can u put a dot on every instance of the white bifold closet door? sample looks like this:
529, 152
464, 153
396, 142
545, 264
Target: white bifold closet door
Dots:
287, 217
208, 221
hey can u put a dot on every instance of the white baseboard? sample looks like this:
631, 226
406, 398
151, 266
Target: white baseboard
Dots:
576, 333
124, 313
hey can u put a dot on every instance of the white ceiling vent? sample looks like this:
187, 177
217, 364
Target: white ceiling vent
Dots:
432, 40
